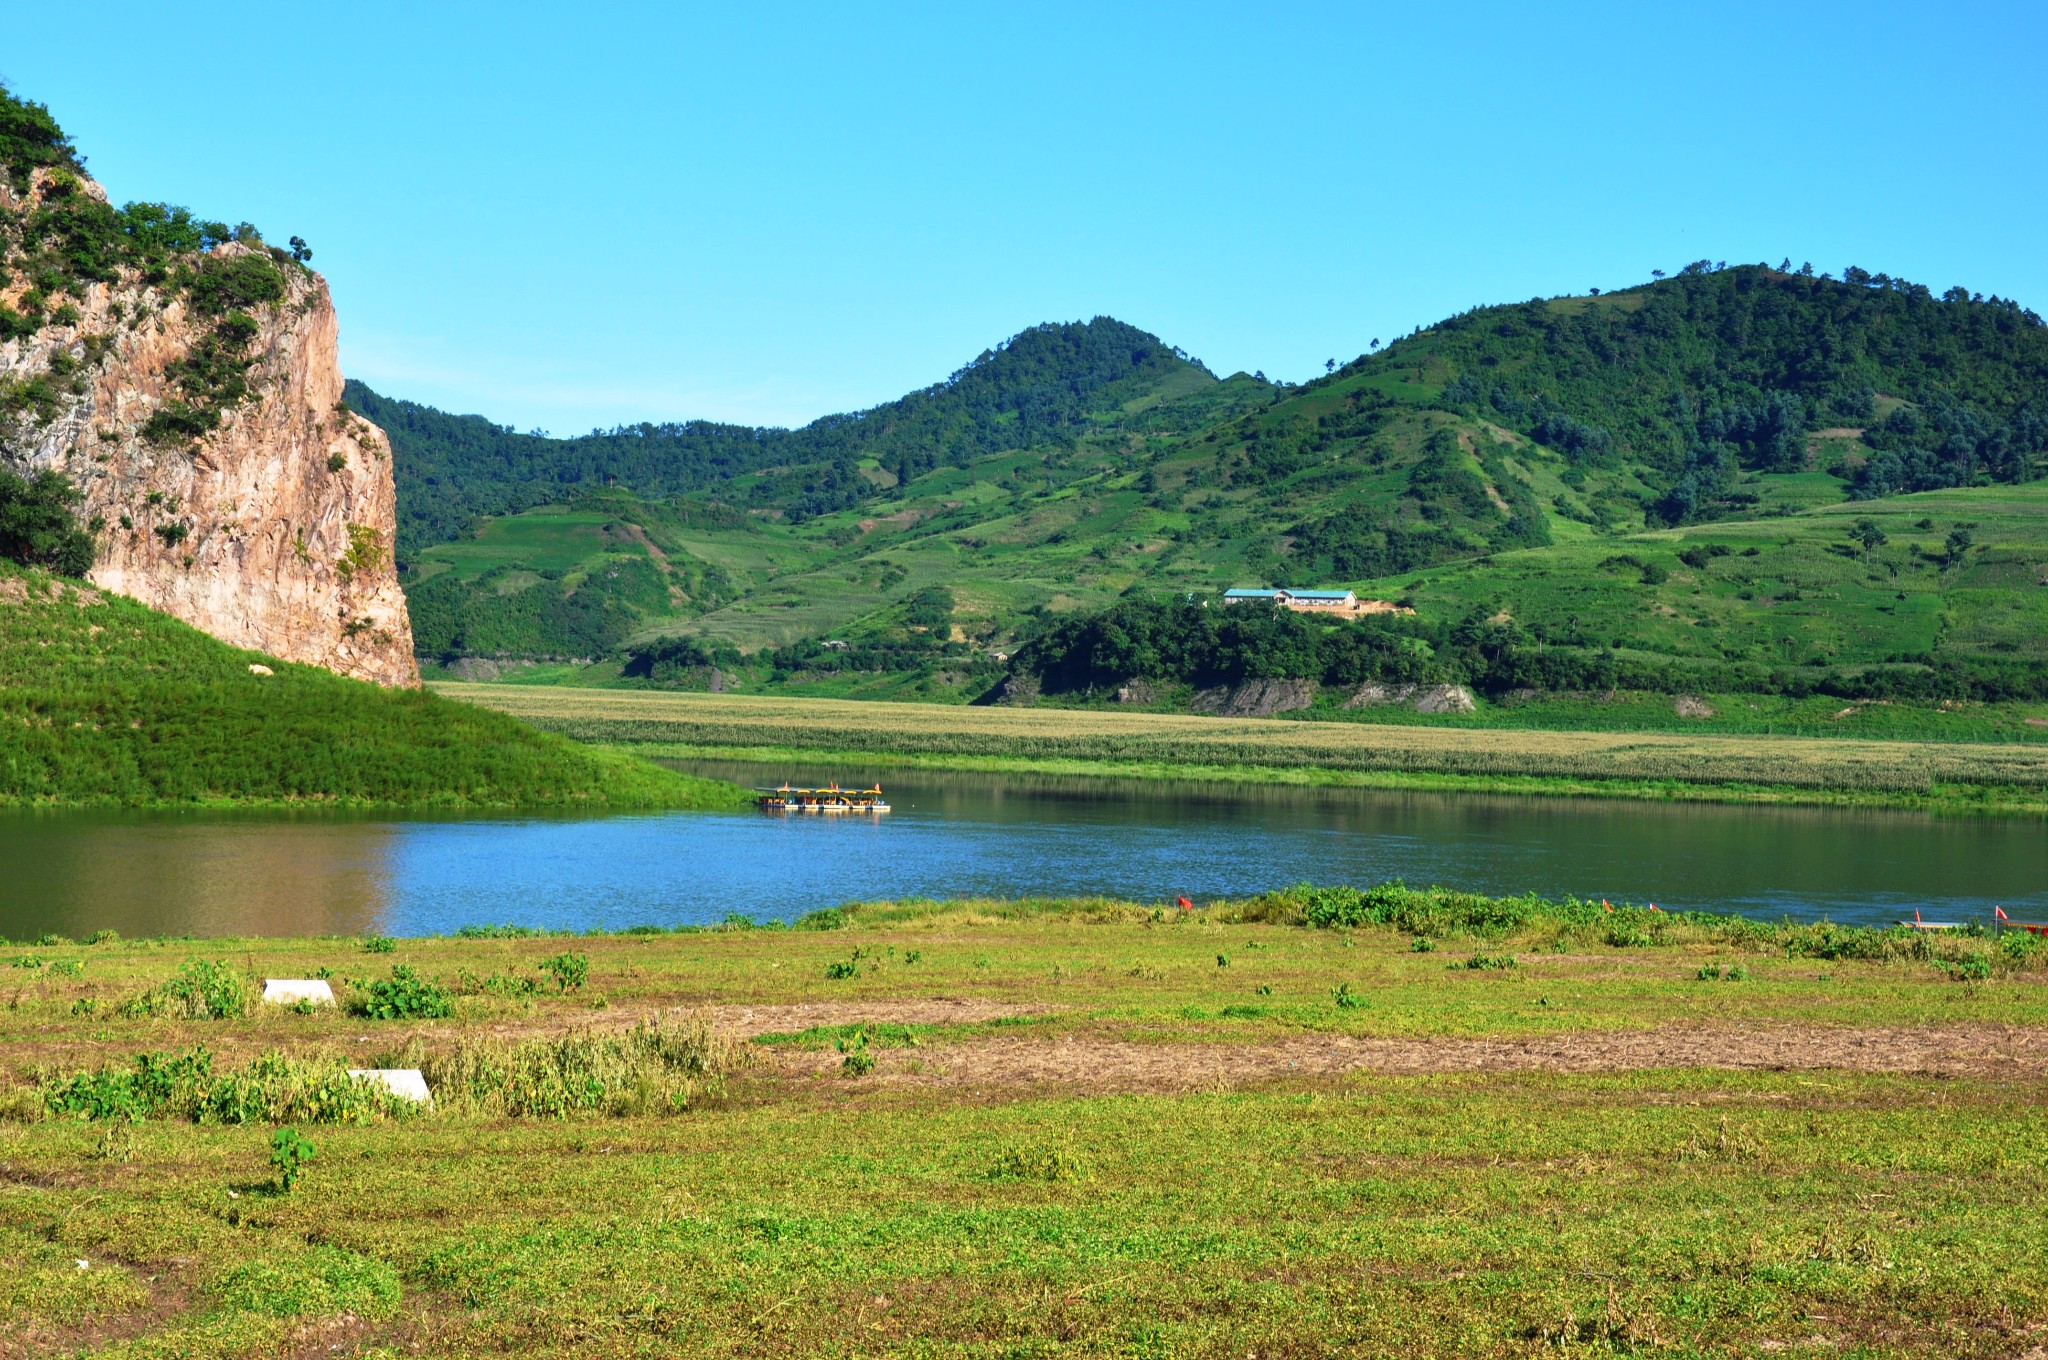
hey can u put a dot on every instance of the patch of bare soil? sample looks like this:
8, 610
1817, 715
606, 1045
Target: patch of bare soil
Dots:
1123, 1065
748, 1021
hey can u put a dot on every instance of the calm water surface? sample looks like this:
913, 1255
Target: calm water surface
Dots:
954, 835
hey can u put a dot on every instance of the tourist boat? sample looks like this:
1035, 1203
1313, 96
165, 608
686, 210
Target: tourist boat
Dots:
831, 798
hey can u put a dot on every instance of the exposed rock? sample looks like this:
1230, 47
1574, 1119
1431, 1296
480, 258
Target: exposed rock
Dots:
1686, 706
1019, 691
484, 669
1138, 692
273, 530
1256, 698
1421, 698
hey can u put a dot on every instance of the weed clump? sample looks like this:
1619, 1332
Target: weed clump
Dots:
569, 971
273, 1089
203, 989
1047, 1164
649, 1069
405, 995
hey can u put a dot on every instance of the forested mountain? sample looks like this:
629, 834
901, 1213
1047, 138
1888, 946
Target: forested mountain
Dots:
1042, 385
1081, 464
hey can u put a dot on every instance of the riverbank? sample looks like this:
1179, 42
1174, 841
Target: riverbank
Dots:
1938, 776
1475, 1127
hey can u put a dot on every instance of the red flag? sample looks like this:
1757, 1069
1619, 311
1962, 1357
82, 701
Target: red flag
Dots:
1609, 906
1185, 905
1916, 916
2001, 913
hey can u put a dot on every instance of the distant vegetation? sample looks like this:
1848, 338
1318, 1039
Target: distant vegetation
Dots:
106, 703
1046, 384
1507, 472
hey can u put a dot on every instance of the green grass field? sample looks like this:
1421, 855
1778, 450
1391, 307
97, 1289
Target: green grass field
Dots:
1961, 776
1037, 1129
105, 703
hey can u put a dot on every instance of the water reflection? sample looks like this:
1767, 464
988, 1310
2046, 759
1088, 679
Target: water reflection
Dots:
972, 834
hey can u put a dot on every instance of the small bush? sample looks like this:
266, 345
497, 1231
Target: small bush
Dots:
498, 933
826, 918
1971, 968
1483, 962
289, 1152
405, 995
1346, 998
568, 970
379, 944
1422, 944
842, 968
857, 1062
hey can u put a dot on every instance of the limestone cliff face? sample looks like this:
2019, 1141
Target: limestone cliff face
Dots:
271, 530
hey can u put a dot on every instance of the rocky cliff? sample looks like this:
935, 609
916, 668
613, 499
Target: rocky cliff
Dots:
188, 386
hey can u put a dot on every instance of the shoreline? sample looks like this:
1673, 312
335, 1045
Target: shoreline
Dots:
1963, 800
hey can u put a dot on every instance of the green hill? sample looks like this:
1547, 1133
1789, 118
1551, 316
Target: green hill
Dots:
1506, 457
106, 703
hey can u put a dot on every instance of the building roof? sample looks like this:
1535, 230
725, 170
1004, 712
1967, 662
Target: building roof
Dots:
1317, 594
1274, 593
1249, 593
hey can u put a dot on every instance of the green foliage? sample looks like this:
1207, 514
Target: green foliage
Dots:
203, 989
857, 1060
289, 1152
1482, 962
568, 970
405, 995
1044, 384
841, 969
37, 527
379, 944
274, 1088
1346, 998
104, 702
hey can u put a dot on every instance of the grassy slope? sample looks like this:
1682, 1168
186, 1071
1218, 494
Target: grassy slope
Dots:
1741, 767
946, 1205
106, 703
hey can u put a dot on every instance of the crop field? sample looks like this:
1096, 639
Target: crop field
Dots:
1081, 741
1436, 1125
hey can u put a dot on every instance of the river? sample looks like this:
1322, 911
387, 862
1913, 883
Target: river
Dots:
1001, 836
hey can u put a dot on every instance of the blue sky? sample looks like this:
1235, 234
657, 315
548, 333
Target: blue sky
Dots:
574, 215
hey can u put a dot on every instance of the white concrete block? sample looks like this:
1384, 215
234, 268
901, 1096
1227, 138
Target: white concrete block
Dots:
400, 1081
286, 991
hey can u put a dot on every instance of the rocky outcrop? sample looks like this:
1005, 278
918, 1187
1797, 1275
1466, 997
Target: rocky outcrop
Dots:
1255, 698
1014, 690
271, 529
1691, 706
1421, 698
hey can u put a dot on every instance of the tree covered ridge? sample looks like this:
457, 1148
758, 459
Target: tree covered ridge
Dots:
1717, 371
1044, 384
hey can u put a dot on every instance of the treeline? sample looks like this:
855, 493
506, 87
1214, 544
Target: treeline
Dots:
1044, 385
1196, 642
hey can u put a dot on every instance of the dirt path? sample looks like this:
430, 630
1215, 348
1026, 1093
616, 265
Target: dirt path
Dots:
1093, 1063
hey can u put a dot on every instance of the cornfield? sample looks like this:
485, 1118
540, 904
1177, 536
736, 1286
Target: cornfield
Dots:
738, 721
